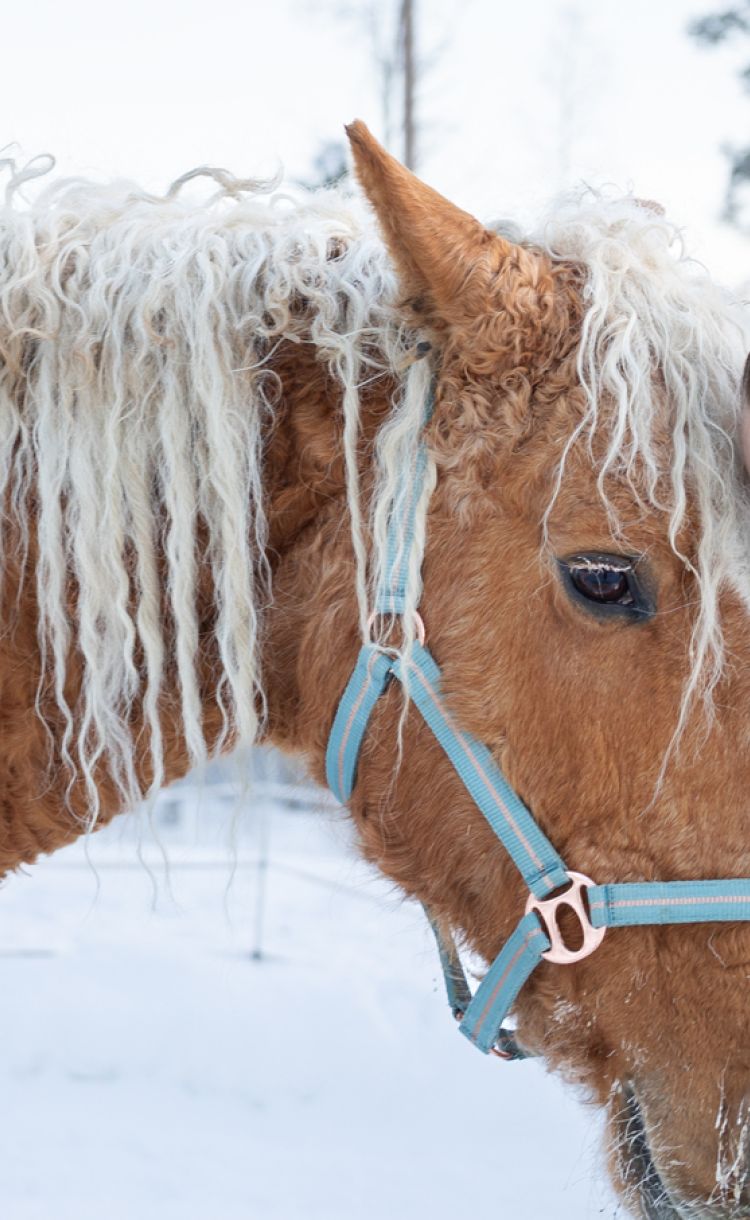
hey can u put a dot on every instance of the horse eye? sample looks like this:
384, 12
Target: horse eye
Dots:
606, 585
602, 584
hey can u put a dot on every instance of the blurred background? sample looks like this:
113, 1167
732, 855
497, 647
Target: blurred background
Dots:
216, 1010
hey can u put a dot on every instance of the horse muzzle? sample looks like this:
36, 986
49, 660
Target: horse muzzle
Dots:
648, 1189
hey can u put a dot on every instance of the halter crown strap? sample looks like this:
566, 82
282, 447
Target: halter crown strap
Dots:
391, 594
537, 935
364, 688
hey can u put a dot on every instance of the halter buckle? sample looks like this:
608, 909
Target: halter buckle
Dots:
547, 909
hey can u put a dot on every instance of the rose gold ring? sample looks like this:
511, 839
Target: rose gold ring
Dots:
573, 898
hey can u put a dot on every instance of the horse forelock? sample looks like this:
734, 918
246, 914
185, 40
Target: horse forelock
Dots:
137, 336
662, 347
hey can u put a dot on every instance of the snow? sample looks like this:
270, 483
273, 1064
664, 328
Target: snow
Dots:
151, 1069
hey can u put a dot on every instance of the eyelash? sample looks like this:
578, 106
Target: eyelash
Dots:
623, 596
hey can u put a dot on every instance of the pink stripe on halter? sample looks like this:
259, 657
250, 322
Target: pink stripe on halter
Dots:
466, 747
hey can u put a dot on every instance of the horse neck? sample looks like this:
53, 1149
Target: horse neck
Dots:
313, 605
311, 629
310, 640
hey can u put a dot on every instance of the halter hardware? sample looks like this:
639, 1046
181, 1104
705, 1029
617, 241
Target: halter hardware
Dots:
552, 886
574, 899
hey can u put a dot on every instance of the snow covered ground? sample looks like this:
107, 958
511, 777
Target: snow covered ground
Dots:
151, 1069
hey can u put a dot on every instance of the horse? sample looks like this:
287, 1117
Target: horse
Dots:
208, 409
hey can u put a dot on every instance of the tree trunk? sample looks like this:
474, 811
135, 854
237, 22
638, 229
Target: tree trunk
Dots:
406, 39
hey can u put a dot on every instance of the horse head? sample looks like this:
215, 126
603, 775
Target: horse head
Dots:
586, 591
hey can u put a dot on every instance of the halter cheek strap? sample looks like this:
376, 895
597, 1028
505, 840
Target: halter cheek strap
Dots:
551, 885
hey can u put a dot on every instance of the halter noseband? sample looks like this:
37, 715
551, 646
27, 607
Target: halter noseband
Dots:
551, 885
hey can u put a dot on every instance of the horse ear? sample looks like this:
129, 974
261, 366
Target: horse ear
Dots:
444, 256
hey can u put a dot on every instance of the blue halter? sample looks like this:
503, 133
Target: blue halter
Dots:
550, 884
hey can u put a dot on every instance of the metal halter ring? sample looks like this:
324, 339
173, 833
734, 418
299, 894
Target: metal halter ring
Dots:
547, 909
500, 1050
419, 630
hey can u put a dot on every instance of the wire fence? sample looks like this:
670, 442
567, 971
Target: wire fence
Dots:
252, 804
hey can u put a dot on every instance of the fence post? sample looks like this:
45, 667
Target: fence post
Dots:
261, 876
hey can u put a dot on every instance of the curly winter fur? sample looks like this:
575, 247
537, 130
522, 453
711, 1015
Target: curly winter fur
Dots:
204, 427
